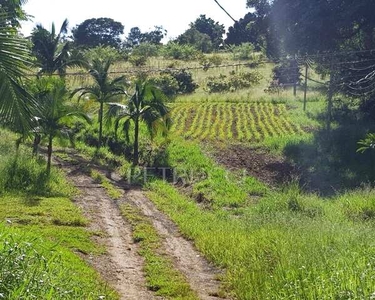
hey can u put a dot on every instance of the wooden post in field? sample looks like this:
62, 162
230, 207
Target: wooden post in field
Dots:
305, 88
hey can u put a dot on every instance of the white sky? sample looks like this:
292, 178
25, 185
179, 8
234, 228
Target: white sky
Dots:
173, 15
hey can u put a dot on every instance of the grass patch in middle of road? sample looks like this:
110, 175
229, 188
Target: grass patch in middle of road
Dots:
111, 190
161, 276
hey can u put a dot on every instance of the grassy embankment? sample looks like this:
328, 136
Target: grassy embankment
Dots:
280, 244
41, 232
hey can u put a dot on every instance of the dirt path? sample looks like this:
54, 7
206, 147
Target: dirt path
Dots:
200, 274
121, 266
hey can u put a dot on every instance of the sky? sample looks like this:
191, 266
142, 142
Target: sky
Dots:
173, 15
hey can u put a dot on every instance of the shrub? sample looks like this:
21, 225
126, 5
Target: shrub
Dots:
137, 60
167, 83
209, 61
232, 83
146, 50
186, 84
181, 52
243, 52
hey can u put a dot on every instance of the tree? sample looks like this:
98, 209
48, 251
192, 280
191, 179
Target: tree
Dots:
54, 114
16, 105
250, 29
146, 105
213, 29
342, 31
13, 10
136, 37
95, 32
104, 89
200, 41
51, 50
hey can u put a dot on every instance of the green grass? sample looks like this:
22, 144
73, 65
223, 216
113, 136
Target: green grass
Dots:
32, 267
218, 187
41, 230
287, 246
111, 190
161, 276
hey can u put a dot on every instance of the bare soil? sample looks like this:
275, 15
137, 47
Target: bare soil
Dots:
201, 275
258, 162
122, 266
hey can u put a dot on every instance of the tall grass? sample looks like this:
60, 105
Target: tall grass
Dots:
282, 247
33, 268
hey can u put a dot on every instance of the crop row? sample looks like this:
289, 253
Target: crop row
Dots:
243, 122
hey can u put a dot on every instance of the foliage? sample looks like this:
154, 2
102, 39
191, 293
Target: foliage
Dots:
136, 37
54, 114
232, 83
199, 40
243, 51
167, 83
368, 143
13, 12
98, 32
16, 105
50, 49
146, 49
147, 104
208, 61
247, 30
212, 29
101, 53
233, 122
286, 73
137, 60
177, 51
186, 84
104, 89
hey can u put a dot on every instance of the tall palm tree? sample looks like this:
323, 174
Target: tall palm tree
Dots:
104, 89
50, 49
16, 105
147, 105
55, 114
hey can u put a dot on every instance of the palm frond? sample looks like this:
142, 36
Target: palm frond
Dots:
16, 105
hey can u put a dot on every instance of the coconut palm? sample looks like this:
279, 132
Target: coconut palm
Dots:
55, 115
104, 89
15, 104
51, 51
147, 105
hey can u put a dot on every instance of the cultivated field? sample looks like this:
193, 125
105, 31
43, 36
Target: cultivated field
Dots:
240, 122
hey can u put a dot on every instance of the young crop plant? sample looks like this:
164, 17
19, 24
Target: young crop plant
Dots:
231, 121
208, 123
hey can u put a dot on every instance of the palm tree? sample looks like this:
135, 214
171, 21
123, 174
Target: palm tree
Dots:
16, 105
104, 89
51, 51
147, 105
55, 114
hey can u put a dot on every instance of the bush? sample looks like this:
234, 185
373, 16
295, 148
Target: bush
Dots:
243, 52
167, 83
209, 61
181, 52
186, 84
146, 50
137, 61
232, 83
